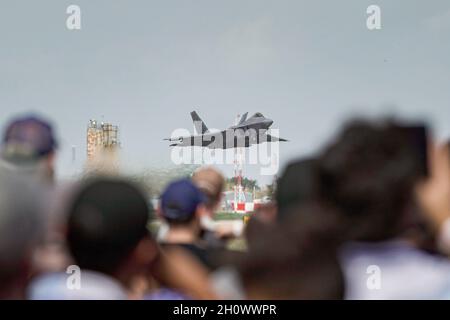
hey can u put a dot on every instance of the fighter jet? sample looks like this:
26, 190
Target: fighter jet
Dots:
245, 133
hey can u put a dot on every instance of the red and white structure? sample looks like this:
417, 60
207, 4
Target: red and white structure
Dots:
239, 195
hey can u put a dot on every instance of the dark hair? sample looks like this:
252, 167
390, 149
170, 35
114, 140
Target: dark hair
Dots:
368, 174
291, 260
107, 219
298, 185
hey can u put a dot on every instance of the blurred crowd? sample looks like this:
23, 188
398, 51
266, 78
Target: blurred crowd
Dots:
365, 217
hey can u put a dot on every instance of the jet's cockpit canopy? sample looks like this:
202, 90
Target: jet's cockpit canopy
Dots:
258, 115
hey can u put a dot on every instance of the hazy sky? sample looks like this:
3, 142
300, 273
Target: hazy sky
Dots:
144, 65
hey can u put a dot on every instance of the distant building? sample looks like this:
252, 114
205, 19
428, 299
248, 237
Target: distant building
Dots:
229, 199
102, 142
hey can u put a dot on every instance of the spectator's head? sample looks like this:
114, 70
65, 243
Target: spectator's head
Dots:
182, 204
298, 186
288, 262
368, 174
29, 144
20, 230
211, 182
107, 228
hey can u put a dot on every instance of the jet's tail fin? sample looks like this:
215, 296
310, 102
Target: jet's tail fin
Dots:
199, 125
243, 118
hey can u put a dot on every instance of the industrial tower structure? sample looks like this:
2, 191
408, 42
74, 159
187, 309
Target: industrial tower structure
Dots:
101, 138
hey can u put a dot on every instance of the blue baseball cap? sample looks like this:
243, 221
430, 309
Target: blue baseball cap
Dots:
180, 200
28, 137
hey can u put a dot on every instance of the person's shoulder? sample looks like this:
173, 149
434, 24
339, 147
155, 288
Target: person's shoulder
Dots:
166, 294
48, 286
91, 285
403, 271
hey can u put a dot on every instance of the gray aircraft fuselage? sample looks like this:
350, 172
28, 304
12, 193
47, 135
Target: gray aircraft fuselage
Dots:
244, 134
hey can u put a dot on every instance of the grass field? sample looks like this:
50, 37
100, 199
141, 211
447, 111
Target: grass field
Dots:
238, 244
229, 216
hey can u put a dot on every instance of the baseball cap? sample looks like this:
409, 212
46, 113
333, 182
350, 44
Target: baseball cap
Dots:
180, 200
28, 137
